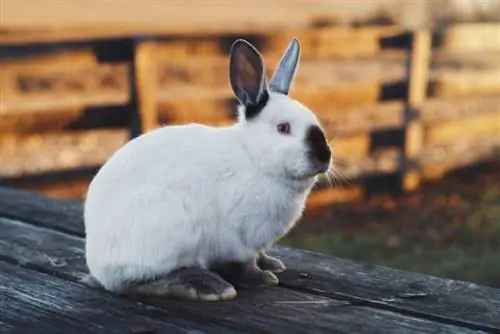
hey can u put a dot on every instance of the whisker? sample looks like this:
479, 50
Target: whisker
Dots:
342, 179
340, 161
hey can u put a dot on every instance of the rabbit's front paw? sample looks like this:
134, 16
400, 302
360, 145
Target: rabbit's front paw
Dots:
266, 262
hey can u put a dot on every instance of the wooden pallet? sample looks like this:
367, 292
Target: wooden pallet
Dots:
356, 80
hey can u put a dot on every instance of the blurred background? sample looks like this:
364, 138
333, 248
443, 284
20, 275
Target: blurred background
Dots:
408, 92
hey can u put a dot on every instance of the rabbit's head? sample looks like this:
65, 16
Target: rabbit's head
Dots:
283, 137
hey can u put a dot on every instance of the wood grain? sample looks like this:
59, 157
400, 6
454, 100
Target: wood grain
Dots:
32, 299
61, 255
449, 301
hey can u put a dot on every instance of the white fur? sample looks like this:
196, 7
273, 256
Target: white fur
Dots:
189, 195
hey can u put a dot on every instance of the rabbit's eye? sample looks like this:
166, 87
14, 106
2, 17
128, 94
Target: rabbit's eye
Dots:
284, 128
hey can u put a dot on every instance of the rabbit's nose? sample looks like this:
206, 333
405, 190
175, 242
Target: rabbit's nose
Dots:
317, 144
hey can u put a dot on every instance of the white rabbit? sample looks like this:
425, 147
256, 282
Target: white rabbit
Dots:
189, 210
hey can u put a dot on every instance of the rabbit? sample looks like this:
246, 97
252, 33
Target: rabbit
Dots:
190, 210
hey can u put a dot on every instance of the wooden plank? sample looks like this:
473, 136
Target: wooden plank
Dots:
25, 154
50, 120
437, 160
172, 18
466, 82
345, 122
212, 69
68, 59
333, 42
454, 302
31, 299
350, 146
467, 128
480, 59
186, 99
417, 93
381, 161
440, 110
468, 37
382, 116
49, 88
61, 255
62, 215
342, 277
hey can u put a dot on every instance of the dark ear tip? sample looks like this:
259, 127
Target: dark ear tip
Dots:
295, 44
241, 43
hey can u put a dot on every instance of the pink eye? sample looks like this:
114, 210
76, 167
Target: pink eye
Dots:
284, 128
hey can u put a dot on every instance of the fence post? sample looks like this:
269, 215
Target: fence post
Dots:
146, 85
419, 67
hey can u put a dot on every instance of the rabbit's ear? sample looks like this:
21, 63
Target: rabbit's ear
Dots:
247, 74
285, 71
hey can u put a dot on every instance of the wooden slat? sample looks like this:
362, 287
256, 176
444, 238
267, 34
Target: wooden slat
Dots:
381, 116
55, 59
345, 122
213, 71
326, 42
466, 128
442, 110
380, 162
50, 89
466, 82
480, 59
409, 293
46, 304
50, 120
24, 154
339, 186
61, 255
333, 42
430, 297
179, 103
437, 160
352, 147
471, 37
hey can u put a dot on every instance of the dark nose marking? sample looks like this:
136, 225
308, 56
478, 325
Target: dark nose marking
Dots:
317, 143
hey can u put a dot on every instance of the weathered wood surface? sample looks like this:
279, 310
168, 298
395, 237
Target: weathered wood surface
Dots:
35, 302
319, 293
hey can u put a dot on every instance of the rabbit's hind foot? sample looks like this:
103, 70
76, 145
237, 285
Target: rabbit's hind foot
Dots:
194, 283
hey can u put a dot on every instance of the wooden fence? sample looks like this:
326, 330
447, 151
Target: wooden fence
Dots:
401, 106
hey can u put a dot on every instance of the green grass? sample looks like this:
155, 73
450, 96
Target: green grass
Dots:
458, 236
